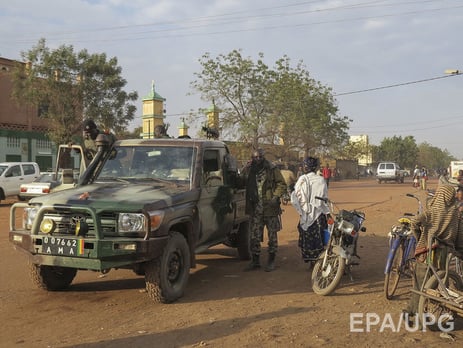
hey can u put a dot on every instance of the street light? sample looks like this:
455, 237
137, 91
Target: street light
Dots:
452, 71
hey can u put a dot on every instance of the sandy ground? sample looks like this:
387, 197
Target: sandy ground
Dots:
224, 306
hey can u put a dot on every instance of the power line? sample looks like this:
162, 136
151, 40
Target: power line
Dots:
233, 20
395, 85
394, 126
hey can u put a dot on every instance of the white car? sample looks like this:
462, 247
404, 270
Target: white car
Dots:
389, 171
40, 186
13, 174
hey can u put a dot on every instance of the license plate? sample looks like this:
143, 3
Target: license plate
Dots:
62, 246
34, 190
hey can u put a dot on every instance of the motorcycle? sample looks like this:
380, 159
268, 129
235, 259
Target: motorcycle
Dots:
340, 250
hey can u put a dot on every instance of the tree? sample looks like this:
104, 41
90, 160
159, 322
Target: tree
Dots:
238, 87
273, 106
303, 111
126, 134
67, 86
432, 157
355, 151
403, 151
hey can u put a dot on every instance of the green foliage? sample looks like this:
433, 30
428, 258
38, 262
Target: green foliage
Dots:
68, 86
283, 105
303, 111
354, 151
433, 157
238, 87
135, 134
403, 151
407, 153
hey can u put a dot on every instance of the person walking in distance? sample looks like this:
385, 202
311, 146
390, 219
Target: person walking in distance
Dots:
326, 172
312, 212
264, 187
423, 178
416, 177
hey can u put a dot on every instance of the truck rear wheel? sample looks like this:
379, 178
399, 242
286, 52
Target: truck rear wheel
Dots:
244, 242
52, 278
166, 277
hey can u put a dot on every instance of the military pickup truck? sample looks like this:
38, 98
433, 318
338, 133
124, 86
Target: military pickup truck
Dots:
149, 205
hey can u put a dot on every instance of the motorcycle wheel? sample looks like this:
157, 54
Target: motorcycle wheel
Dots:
391, 279
326, 279
430, 307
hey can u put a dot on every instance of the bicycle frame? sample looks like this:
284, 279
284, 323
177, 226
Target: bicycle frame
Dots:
446, 296
408, 243
401, 254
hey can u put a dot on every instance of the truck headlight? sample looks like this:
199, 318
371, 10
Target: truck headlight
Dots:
131, 222
29, 215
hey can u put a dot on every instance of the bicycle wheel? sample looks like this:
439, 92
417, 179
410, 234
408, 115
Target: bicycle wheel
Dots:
429, 308
391, 279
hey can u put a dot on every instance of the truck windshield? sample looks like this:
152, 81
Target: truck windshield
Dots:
150, 162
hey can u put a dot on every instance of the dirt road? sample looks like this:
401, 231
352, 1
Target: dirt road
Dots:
223, 306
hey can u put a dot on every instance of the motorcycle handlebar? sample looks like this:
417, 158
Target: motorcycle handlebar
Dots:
322, 199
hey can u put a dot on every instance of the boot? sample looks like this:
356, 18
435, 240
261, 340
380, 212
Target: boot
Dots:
270, 263
255, 263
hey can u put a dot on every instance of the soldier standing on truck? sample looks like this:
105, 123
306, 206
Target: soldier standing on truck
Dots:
90, 133
264, 187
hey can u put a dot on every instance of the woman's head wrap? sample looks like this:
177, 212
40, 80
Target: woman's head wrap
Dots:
311, 164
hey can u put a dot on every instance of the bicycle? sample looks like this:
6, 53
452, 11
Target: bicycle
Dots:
401, 256
441, 293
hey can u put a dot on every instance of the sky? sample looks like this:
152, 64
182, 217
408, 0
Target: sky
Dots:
385, 60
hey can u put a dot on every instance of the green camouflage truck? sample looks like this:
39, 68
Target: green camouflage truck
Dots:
149, 205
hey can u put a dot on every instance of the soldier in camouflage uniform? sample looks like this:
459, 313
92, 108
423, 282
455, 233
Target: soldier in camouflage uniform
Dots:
90, 133
264, 187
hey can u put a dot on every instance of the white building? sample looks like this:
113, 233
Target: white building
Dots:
362, 140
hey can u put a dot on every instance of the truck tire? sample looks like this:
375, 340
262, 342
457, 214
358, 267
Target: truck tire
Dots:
166, 276
52, 278
244, 242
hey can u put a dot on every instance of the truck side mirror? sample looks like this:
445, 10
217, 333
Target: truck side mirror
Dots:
230, 170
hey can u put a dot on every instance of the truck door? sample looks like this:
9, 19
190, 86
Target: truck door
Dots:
215, 207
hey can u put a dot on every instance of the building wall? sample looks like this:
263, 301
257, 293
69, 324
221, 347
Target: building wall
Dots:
364, 160
23, 146
22, 131
15, 116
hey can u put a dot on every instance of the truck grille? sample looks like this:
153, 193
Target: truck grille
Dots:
66, 222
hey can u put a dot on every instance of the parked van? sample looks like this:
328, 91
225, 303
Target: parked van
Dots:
389, 171
13, 174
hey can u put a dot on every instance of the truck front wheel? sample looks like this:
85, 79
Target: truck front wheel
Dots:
52, 278
166, 277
